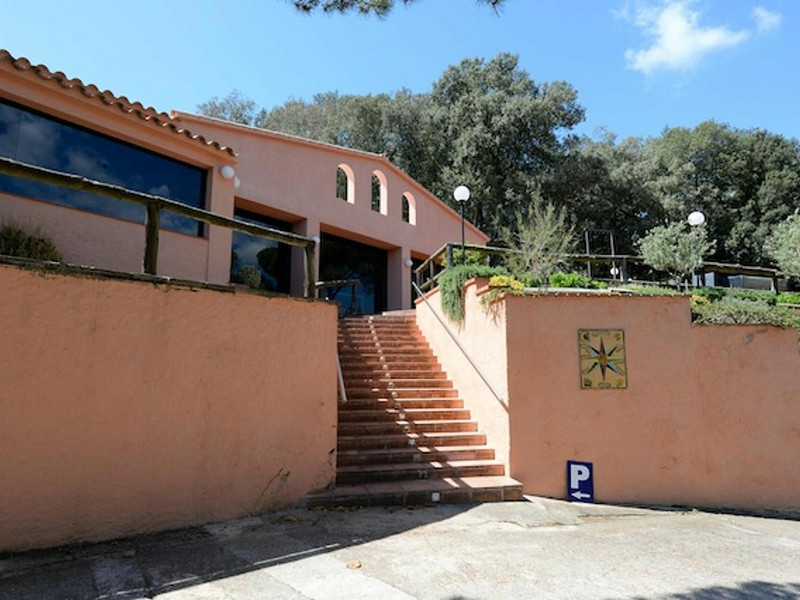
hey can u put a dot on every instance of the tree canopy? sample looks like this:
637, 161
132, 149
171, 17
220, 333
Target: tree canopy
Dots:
489, 125
379, 8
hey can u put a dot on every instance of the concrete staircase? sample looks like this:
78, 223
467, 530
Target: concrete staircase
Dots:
404, 434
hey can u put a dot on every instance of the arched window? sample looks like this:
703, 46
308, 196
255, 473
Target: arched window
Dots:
409, 208
379, 193
345, 189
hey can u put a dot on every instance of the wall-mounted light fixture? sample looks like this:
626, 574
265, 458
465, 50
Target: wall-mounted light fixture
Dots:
227, 172
409, 263
237, 182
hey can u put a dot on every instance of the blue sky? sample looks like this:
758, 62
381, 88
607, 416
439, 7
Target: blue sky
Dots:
638, 66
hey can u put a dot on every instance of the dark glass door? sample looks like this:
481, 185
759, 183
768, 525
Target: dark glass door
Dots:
341, 260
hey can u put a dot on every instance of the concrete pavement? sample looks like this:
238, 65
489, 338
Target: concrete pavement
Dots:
535, 549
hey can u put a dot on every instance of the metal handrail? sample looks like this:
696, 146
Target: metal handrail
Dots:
460, 347
342, 391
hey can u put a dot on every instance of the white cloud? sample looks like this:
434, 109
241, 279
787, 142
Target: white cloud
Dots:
765, 19
680, 42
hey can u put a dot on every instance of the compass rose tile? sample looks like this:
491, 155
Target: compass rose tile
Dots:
602, 353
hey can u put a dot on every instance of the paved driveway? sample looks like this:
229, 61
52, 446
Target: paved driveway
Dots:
534, 549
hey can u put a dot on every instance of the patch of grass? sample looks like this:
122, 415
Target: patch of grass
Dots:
16, 241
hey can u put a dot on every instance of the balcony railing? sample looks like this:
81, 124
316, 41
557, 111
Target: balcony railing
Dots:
154, 205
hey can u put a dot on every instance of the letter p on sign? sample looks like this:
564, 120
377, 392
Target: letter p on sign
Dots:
580, 483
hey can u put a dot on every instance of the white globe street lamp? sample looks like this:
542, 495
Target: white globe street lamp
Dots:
461, 194
696, 219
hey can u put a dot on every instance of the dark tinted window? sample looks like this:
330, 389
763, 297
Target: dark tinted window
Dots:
33, 138
272, 260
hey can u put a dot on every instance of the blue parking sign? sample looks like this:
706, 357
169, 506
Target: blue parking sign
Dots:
580, 481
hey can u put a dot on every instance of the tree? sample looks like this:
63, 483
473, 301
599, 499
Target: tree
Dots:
380, 8
603, 184
745, 181
499, 133
783, 245
234, 107
541, 238
675, 250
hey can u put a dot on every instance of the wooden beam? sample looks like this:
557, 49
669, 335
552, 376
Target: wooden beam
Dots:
151, 239
82, 184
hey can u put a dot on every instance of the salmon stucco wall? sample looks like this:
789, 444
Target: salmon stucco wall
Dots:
710, 417
131, 407
483, 336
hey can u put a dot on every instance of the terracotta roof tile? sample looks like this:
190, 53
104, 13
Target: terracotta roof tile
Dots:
148, 114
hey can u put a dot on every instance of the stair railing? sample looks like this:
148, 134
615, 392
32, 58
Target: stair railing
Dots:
458, 343
342, 392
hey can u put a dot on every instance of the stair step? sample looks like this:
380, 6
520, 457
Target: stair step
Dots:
390, 383
354, 368
410, 454
421, 492
389, 339
381, 428
406, 403
380, 376
402, 413
401, 393
400, 440
427, 470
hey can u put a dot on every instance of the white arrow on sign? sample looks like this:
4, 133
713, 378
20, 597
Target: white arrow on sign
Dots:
581, 495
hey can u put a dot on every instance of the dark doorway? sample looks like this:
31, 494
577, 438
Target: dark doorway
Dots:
342, 259
251, 255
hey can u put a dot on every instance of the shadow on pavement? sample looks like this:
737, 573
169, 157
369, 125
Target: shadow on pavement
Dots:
149, 565
749, 590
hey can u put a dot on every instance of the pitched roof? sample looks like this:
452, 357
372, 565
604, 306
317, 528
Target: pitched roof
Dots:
135, 109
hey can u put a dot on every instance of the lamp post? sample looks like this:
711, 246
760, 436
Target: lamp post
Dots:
461, 194
696, 220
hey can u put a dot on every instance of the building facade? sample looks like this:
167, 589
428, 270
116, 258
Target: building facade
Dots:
373, 221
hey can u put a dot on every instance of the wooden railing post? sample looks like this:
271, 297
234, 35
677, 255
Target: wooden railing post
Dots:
151, 239
311, 284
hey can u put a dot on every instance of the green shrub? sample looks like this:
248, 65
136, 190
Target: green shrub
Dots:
712, 294
471, 257
744, 312
787, 298
575, 280
451, 287
761, 296
15, 241
529, 280
571, 280
506, 281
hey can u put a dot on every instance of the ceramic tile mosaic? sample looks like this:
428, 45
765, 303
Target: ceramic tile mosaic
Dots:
602, 354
